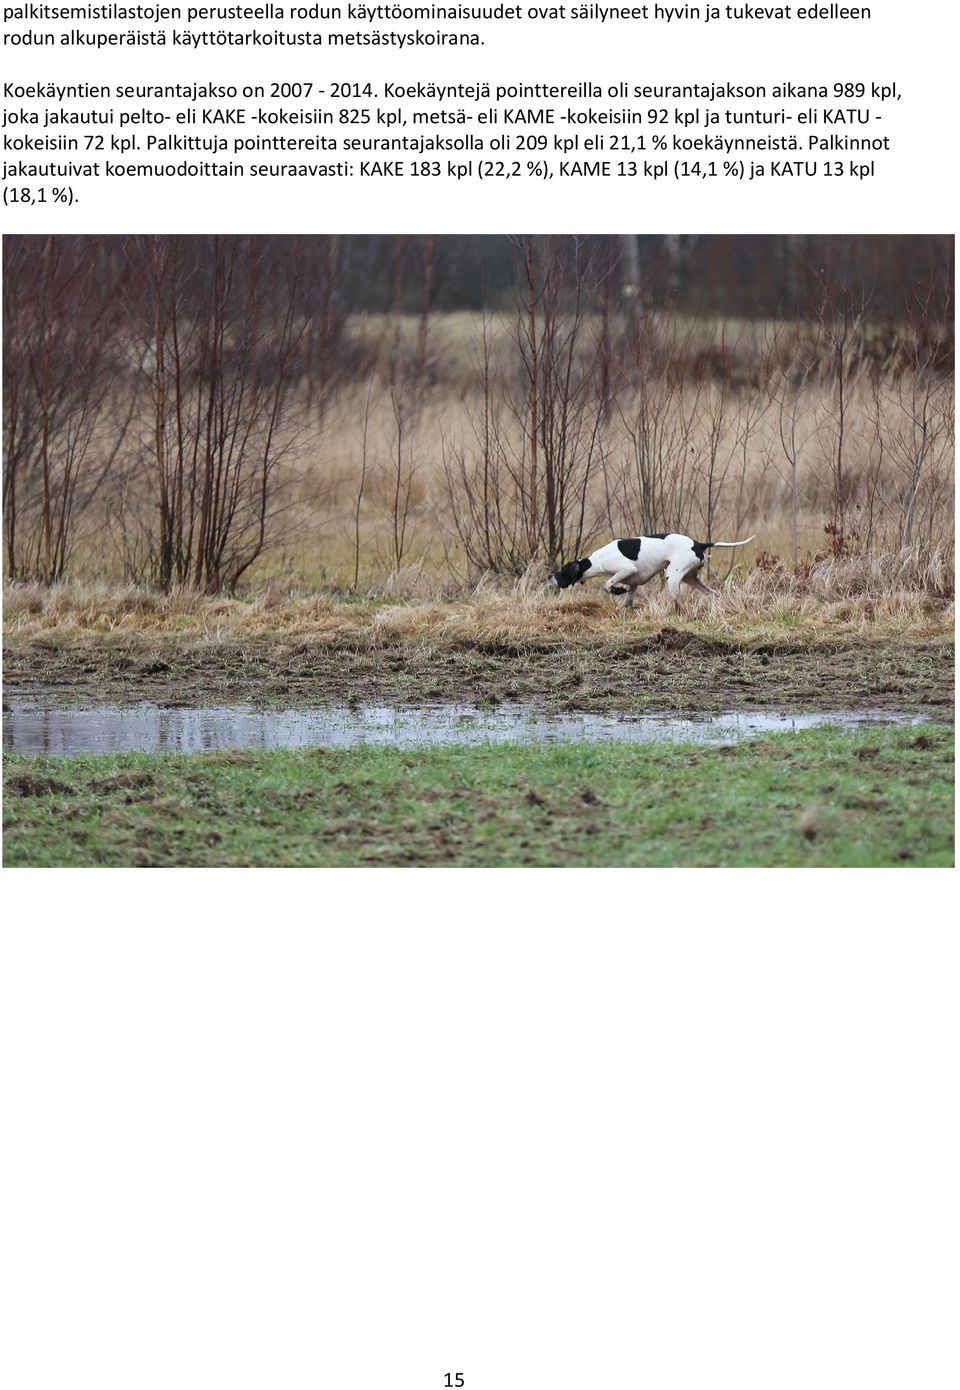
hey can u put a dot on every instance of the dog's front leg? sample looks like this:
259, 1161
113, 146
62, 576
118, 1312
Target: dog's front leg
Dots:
621, 577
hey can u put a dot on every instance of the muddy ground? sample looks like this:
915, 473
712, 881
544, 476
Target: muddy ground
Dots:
669, 671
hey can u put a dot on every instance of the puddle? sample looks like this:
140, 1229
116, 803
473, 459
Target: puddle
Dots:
33, 725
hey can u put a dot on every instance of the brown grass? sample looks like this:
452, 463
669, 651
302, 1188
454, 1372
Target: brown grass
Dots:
312, 543
899, 595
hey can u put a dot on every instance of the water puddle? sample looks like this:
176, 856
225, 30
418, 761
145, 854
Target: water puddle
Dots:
32, 724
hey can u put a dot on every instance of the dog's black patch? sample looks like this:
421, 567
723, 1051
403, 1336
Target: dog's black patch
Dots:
629, 548
700, 549
660, 535
571, 573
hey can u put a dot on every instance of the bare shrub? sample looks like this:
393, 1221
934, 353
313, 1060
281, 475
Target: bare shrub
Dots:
64, 422
480, 480
218, 344
520, 482
919, 440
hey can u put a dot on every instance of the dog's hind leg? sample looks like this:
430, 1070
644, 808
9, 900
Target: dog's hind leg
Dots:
696, 582
683, 572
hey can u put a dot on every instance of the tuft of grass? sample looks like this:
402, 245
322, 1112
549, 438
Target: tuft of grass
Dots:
876, 797
899, 596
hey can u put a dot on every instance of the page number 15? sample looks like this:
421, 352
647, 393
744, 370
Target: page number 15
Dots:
453, 1378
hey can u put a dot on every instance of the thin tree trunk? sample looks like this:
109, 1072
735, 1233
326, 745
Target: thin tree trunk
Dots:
534, 420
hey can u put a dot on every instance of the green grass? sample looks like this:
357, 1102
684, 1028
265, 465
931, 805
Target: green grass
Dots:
882, 796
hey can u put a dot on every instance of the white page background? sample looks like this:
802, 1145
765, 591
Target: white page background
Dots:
550, 1129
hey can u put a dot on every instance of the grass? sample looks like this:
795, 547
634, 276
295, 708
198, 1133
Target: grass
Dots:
878, 797
851, 636
900, 595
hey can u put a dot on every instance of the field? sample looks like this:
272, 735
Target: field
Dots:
878, 797
230, 481
763, 643
881, 796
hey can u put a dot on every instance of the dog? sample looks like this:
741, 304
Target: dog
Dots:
630, 563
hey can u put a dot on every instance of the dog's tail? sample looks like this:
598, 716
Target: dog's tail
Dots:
728, 545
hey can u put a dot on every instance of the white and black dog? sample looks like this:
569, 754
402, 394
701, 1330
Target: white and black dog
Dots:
630, 563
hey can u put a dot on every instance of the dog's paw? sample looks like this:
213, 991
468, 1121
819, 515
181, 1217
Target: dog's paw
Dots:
618, 589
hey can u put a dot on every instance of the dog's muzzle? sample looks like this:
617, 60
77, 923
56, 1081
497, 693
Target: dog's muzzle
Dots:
554, 582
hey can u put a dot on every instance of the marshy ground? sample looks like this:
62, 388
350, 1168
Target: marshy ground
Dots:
878, 796
752, 648
670, 670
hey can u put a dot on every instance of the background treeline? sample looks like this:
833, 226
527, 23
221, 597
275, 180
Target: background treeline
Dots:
196, 412
744, 276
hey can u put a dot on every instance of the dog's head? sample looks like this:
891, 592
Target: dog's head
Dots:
569, 574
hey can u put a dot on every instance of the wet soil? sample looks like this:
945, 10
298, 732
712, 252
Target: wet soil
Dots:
667, 671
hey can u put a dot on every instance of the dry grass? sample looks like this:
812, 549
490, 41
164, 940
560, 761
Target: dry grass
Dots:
317, 542
891, 596
313, 535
